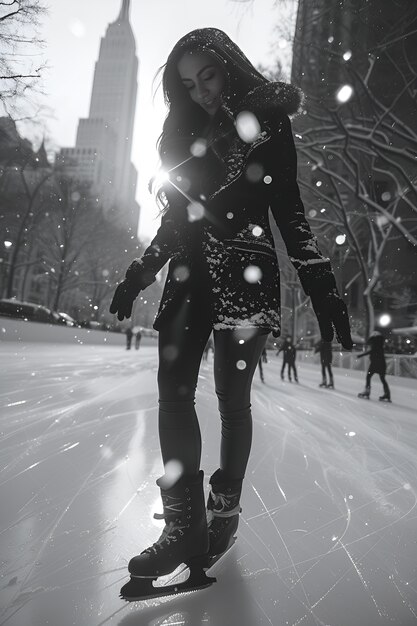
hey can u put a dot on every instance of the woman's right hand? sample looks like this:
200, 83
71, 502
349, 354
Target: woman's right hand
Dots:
123, 299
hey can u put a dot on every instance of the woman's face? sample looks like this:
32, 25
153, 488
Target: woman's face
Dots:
203, 78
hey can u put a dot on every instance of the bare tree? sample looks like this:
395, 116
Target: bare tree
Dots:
25, 212
358, 156
106, 260
69, 226
362, 181
21, 61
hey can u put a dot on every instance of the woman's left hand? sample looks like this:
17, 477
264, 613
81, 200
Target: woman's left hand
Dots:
123, 299
332, 315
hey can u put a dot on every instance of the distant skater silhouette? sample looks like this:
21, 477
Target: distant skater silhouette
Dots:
377, 365
289, 354
129, 335
263, 359
326, 359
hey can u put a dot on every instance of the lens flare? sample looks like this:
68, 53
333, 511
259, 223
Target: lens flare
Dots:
247, 126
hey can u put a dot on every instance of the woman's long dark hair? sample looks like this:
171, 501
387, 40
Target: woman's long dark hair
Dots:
185, 118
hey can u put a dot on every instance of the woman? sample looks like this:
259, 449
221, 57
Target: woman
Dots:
228, 152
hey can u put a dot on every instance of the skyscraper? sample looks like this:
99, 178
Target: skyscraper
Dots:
102, 153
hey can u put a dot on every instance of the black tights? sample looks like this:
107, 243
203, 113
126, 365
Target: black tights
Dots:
236, 354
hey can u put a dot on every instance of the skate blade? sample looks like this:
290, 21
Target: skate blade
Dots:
214, 559
138, 589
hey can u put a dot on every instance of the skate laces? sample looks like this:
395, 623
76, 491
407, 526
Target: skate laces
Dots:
225, 503
175, 507
168, 535
171, 527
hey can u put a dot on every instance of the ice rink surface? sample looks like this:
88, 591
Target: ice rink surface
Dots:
328, 530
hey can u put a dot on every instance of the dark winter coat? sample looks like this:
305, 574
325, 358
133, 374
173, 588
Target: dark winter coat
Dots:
218, 235
376, 354
326, 354
290, 352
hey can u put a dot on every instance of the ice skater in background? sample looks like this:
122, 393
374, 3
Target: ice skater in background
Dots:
289, 355
377, 365
326, 359
227, 154
263, 359
129, 335
138, 338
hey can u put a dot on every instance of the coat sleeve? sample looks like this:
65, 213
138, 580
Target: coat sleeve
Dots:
314, 270
359, 356
169, 237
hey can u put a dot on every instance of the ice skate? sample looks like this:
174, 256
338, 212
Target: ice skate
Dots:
385, 398
223, 511
184, 539
323, 384
330, 385
365, 394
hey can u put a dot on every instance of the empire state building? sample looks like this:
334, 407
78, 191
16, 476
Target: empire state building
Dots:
102, 153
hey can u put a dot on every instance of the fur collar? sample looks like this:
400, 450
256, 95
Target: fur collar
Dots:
262, 102
271, 95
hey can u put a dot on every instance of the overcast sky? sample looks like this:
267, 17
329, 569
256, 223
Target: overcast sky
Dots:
73, 30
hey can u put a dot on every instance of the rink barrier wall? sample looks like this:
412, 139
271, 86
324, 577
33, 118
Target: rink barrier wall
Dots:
24, 332
397, 364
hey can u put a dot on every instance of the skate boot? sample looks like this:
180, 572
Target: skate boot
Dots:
330, 385
323, 384
385, 398
365, 394
184, 539
223, 511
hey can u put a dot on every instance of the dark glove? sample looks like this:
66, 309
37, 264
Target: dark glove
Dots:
136, 280
332, 315
123, 299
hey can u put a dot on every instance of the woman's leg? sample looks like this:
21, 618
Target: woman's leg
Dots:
236, 355
181, 345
